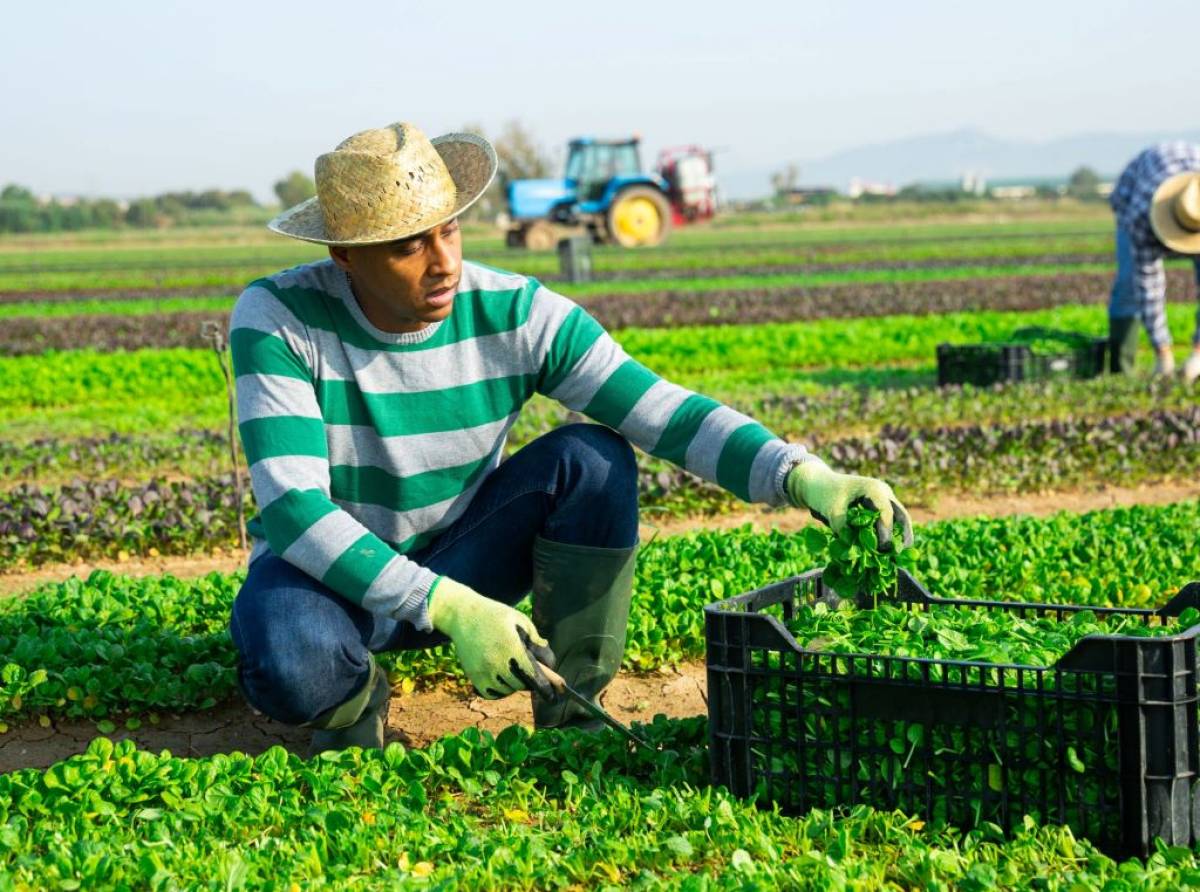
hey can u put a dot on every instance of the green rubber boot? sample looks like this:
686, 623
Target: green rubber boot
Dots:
358, 721
581, 598
1122, 344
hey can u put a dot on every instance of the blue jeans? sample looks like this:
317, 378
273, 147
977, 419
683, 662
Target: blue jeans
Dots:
303, 648
1122, 302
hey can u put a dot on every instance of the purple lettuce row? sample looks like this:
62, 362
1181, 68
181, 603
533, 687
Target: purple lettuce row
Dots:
101, 518
26, 335
804, 253
800, 267
89, 519
111, 294
759, 305
986, 458
1028, 456
115, 453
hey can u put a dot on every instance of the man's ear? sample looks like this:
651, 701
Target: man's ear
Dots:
341, 256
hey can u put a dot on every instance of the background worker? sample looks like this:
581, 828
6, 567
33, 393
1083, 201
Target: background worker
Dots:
375, 393
1157, 205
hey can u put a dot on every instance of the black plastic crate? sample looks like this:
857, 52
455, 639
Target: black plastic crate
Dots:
1105, 741
1071, 355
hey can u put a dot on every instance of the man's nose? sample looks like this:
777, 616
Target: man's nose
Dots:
442, 260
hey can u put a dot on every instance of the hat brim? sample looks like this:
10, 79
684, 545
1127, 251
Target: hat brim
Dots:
472, 164
1162, 215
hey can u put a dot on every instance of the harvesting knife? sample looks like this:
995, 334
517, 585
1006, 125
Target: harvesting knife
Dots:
565, 690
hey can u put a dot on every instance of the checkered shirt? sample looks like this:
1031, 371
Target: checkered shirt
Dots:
1130, 201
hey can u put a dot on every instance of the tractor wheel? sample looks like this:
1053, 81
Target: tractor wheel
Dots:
639, 217
540, 236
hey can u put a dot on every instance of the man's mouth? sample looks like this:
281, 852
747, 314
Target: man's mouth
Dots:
441, 297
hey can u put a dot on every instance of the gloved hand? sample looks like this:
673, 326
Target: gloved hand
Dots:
828, 495
495, 644
1191, 368
1164, 362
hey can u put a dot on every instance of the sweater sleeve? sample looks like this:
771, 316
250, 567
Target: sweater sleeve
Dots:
283, 435
587, 371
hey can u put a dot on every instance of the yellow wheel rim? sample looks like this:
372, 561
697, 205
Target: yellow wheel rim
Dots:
637, 221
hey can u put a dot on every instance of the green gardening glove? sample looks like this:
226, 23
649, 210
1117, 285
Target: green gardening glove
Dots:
829, 495
498, 647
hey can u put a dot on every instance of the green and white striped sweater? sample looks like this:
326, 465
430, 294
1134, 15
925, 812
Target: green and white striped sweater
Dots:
363, 444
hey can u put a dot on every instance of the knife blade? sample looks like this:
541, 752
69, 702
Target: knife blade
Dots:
565, 690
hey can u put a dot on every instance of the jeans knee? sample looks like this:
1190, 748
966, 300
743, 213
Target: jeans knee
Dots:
597, 488
294, 680
604, 457
292, 663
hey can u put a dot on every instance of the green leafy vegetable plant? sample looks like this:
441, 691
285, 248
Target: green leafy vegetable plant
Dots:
857, 568
517, 810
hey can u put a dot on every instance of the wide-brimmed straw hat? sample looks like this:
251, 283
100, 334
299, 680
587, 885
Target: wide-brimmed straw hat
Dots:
388, 184
1175, 212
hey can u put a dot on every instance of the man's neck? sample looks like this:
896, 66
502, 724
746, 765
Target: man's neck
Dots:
383, 320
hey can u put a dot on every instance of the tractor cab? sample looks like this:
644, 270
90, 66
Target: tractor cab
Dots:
592, 164
606, 193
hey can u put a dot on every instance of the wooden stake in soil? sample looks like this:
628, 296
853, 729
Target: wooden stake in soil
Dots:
214, 333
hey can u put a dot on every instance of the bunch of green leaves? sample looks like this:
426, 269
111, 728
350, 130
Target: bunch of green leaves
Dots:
856, 567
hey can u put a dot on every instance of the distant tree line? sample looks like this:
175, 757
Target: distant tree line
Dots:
22, 211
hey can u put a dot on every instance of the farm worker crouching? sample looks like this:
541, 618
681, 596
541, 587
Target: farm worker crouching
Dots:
375, 392
1157, 205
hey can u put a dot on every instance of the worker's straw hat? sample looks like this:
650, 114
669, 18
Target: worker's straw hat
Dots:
388, 184
1175, 212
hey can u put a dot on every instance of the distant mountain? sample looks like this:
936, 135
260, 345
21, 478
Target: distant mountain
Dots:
947, 156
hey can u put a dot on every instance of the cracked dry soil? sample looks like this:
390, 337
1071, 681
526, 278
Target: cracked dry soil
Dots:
413, 719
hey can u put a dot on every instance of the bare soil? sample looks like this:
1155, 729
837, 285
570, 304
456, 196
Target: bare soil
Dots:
413, 719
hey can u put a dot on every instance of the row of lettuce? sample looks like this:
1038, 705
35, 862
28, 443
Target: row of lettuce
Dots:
110, 517
112, 647
685, 250
829, 350
31, 328
794, 405
515, 811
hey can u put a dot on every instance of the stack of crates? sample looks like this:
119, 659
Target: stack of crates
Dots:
1031, 354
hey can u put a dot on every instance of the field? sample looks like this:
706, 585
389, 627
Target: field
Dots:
128, 759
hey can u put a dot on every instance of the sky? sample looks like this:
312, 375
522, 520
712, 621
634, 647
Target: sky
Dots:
129, 98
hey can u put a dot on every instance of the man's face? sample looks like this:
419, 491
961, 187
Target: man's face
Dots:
403, 286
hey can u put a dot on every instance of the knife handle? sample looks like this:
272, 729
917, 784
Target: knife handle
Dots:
556, 681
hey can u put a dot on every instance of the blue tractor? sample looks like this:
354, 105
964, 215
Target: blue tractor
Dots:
606, 193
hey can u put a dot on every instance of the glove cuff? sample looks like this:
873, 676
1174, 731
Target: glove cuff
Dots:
446, 599
788, 492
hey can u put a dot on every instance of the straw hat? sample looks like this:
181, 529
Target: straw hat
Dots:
388, 184
1175, 213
